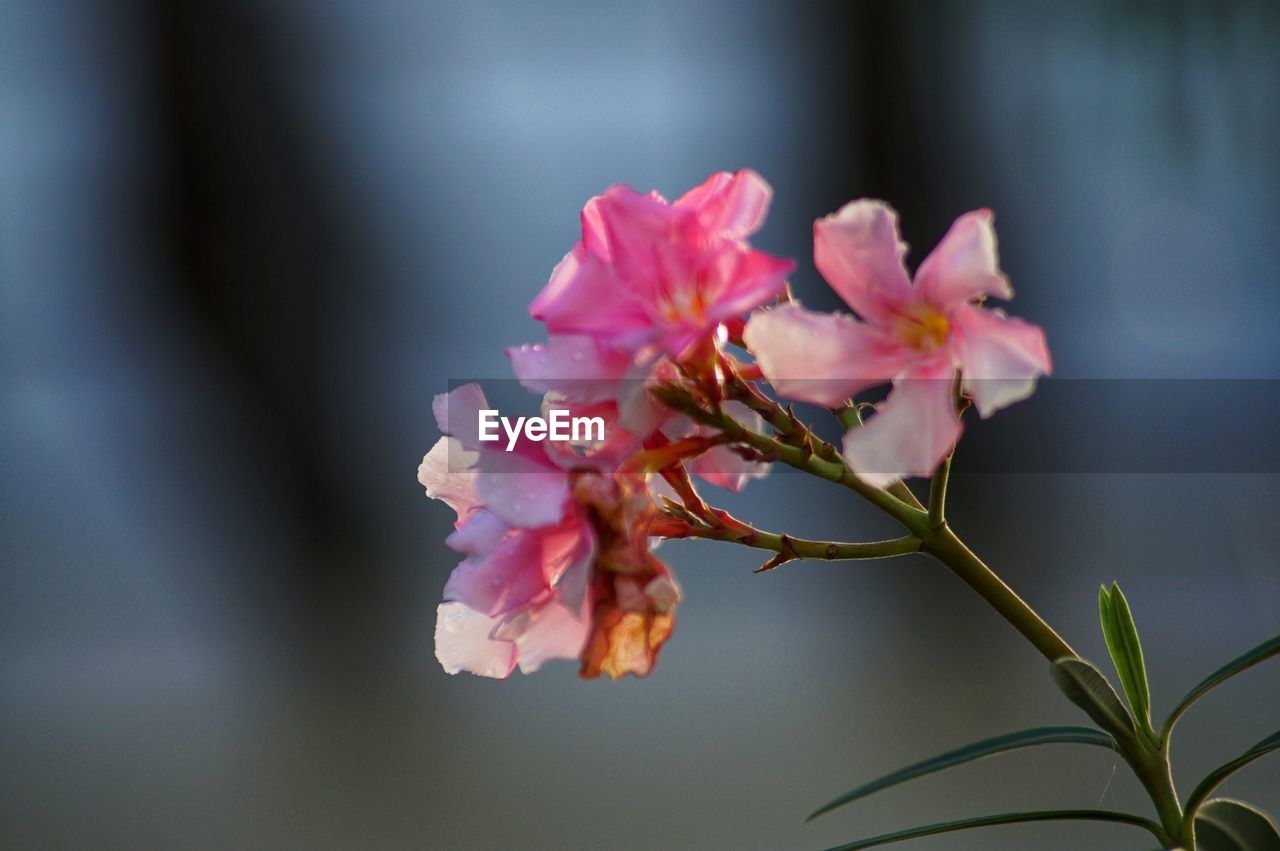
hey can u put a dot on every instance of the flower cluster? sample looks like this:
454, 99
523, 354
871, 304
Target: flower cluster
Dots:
652, 319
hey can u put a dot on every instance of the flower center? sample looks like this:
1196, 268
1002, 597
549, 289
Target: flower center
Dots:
682, 305
923, 328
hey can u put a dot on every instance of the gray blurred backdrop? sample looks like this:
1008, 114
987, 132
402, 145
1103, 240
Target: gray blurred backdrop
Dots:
242, 244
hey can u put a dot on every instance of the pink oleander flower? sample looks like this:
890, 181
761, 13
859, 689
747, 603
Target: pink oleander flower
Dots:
916, 334
539, 555
649, 273
519, 597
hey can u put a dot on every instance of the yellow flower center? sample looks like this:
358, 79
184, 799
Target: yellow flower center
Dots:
923, 328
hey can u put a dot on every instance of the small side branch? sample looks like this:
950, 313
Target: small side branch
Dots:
786, 547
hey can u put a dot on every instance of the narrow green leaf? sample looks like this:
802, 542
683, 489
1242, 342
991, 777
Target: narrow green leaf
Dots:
1247, 660
1005, 818
968, 753
1222, 772
1086, 687
1126, 653
1226, 825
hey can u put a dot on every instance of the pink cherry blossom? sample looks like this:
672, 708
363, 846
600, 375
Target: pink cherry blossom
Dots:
915, 334
647, 272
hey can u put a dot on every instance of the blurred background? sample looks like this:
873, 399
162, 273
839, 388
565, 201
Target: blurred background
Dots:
242, 244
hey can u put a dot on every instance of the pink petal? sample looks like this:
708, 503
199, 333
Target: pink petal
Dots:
447, 475
725, 468
503, 580
964, 265
571, 573
732, 205
722, 466
523, 568
652, 245
551, 632
595, 239
478, 534
1000, 357
822, 358
638, 412
457, 413
748, 279
576, 367
585, 296
463, 643
522, 488
859, 252
911, 431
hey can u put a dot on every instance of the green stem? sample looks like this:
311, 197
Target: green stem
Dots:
943, 545
801, 547
835, 471
938, 492
1156, 776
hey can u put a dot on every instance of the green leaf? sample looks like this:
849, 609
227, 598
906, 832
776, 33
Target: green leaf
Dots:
977, 750
1004, 818
1226, 825
1086, 687
1126, 653
1222, 772
1261, 653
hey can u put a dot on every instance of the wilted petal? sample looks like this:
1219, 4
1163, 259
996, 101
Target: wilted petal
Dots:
731, 204
1000, 357
447, 475
625, 642
911, 432
822, 358
463, 643
574, 366
964, 265
859, 252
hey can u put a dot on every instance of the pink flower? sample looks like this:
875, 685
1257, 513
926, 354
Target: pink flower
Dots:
519, 597
557, 564
917, 335
648, 272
